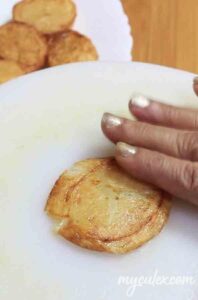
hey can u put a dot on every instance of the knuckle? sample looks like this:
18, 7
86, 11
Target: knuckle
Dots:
189, 177
158, 165
127, 131
142, 129
131, 129
193, 147
181, 144
160, 162
187, 145
195, 121
171, 114
127, 128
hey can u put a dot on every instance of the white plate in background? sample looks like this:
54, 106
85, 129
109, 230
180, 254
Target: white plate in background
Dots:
49, 120
104, 21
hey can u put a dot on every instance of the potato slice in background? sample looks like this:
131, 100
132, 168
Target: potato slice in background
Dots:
47, 16
9, 70
70, 47
23, 44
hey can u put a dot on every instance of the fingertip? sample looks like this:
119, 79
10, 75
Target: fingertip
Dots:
139, 100
102, 123
195, 85
139, 106
125, 156
124, 150
111, 126
109, 122
195, 80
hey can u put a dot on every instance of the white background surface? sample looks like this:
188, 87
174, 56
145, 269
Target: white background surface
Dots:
50, 120
104, 21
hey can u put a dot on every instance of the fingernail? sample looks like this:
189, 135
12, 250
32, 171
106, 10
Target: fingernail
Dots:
125, 150
140, 101
195, 80
110, 120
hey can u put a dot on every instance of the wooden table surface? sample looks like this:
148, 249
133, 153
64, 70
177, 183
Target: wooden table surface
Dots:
165, 32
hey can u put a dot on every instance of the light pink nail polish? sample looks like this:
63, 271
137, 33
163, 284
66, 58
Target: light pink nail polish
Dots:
125, 150
140, 101
111, 121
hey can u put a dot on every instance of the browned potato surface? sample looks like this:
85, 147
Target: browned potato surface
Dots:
9, 70
102, 208
47, 16
70, 47
23, 44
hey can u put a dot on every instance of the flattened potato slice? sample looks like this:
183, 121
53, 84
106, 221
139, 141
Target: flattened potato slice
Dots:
9, 70
103, 198
58, 199
150, 230
70, 47
101, 207
47, 16
109, 204
123, 245
24, 45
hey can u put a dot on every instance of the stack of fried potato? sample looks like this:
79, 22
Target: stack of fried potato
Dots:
39, 36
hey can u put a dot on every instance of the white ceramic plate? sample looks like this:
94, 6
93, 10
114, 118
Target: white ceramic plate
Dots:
49, 120
103, 21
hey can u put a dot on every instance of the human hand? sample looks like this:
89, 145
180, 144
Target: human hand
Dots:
161, 147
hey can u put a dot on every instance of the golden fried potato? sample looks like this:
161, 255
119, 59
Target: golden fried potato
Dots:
70, 47
9, 70
102, 208
123, 245
24, 45
147, 232
56, 202
47, 16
